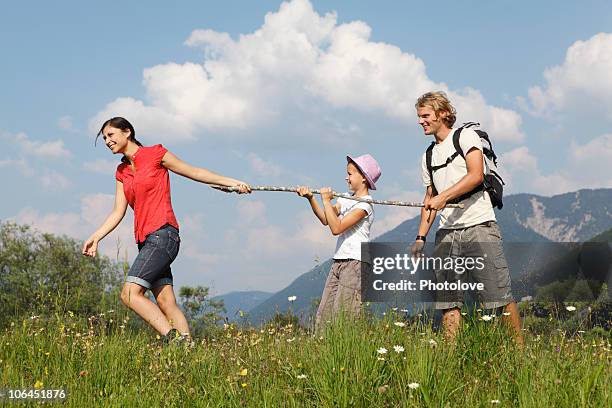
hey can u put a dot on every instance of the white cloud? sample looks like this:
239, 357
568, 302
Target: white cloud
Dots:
8, 163
591, 163
263, 167
557, 182
502, 124
598, 150
392, 216
304, 237
266, 171
30, 152
585, 166
252, 212
150, 122
46, 150
583, 76
519, 167
312, 236
53, 181
295, 60
194, 238
519, 159
101, 166
66, 123
22, 165
57, 223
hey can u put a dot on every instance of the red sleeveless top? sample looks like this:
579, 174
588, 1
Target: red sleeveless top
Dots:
147, 191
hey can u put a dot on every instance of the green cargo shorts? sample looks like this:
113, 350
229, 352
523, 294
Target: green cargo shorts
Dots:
484, 241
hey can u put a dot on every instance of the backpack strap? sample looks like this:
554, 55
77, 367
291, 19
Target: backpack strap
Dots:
459, 151
487, 150
481, 134
430, 167
456, 135
476, 189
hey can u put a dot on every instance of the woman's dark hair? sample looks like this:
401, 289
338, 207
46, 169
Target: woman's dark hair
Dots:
123, 124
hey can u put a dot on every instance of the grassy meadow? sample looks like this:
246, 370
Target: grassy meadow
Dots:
388, 362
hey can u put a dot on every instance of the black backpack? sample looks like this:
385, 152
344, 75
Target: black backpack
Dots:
493, 183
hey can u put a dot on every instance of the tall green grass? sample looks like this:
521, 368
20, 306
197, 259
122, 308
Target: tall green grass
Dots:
101, 362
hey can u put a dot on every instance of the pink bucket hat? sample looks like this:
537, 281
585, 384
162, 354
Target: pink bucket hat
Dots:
368, 167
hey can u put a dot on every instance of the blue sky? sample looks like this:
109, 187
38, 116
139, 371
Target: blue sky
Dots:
281, 98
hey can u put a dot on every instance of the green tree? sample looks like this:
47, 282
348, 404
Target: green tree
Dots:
45, 274
203, 313
570, 290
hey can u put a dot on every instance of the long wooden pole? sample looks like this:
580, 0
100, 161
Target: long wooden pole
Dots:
343, 195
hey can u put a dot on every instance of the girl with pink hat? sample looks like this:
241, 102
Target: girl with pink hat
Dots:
351, 221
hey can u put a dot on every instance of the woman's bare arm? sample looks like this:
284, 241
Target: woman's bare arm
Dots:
90, 246
176, 165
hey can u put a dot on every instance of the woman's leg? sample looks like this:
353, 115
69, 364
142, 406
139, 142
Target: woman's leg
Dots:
164, 295
133, 296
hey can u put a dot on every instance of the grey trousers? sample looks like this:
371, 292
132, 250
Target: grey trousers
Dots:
342, 292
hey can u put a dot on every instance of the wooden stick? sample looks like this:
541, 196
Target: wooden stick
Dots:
347, 196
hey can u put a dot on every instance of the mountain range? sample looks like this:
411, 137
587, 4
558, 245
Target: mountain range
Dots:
236, 302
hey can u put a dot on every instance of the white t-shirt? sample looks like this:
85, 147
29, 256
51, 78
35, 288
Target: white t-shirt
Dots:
478, 208
349, 242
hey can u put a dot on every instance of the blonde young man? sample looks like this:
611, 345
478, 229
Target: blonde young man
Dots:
462, 232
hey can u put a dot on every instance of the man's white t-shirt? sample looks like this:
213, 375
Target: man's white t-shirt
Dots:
349, 242
478, 208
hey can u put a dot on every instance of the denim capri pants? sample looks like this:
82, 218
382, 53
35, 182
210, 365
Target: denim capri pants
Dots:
151, 268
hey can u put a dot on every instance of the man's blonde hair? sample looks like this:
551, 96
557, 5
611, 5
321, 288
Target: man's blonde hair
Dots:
438, 101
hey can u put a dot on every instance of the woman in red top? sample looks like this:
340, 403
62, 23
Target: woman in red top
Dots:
143, 183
